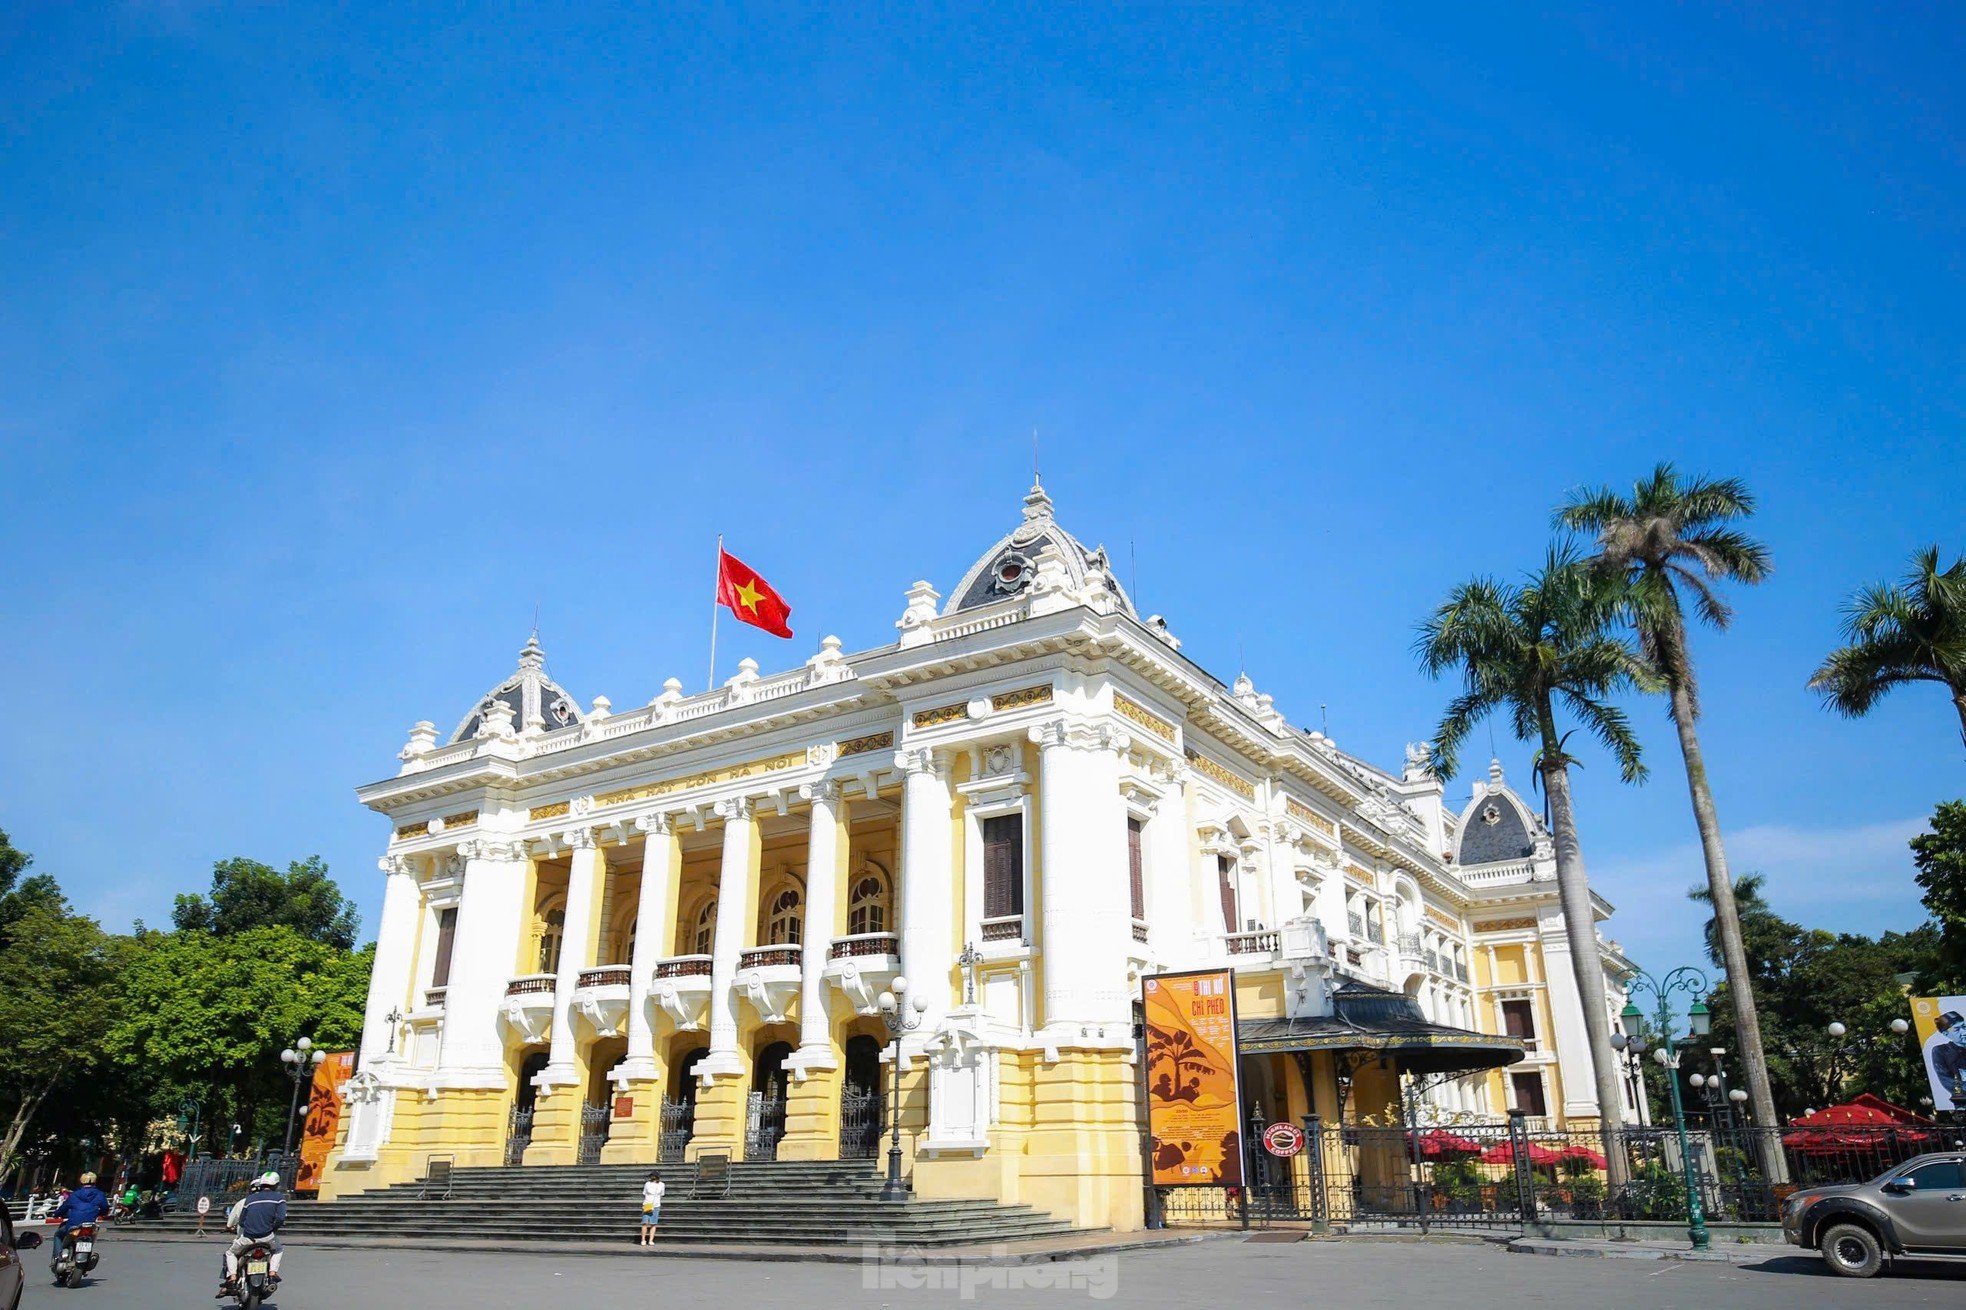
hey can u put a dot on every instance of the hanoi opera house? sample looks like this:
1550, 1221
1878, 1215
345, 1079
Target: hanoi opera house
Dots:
663, 932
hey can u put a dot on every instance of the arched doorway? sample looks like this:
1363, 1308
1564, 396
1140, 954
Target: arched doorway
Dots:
860, 1099
770, 1085
518, 1130
597, 1107
679, 1106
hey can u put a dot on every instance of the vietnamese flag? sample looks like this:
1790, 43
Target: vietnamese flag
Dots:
749, 596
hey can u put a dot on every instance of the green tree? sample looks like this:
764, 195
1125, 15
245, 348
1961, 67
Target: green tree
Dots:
57, 1000
1667, 538
1523, 651
246, 894
1912, 632
1941, 859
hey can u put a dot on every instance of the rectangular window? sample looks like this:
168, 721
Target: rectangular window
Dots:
440, 971
1519, 1020
1003, 866
1137, 886
1529, 1094
1226, 869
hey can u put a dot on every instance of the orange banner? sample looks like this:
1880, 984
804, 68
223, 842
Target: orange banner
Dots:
1193, 1096
323, 1118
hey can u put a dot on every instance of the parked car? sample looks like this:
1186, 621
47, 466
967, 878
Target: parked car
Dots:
13, 1276
1915, 1210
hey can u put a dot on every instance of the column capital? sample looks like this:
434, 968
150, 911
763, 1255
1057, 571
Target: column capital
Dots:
579, 839
486, 849
1079, 734
921, 759
656, 825
823, 791
737, 808
396, 865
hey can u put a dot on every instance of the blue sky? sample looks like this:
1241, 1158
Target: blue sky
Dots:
330, 344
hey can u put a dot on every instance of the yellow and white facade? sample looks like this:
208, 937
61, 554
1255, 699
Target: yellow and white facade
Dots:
666, 930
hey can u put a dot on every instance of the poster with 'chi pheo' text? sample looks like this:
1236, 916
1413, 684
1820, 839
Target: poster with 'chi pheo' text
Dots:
1192, 1095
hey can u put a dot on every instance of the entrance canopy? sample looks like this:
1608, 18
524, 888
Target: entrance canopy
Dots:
1369, 1021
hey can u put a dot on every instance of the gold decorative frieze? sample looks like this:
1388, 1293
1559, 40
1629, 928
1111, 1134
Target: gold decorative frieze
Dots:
1208, 768
1135, 712
940, 714
557, 809
462, 819
412, 830
1360, 877
708, 778
1442, 919
1017, 700
873, 741
1507, 925
1309, 817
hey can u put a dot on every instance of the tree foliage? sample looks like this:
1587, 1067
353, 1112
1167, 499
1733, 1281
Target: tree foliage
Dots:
1940, 856
246, 895
1914, 631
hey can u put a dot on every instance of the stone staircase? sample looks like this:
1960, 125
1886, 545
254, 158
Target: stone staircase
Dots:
787, 1204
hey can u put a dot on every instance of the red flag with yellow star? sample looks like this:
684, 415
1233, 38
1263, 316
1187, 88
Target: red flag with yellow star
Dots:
749, 596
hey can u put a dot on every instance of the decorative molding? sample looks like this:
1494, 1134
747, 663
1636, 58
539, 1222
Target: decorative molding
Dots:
1507, 925
1442, 919
822, 791
1078, 734
484, 849
709, 777
655, 825
410, 830
1209, 769
940, 714
873, 741
579, 839
734, 809
1013, 700
916, 761
462, 819
1361, 878
556, 810
1146, 718
1309, 817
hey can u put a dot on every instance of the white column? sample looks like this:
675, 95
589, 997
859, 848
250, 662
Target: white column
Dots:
652, 931
1083, 873
395, 959
490, 914
927, 880
1170, 891
735, 887
823, 856
583, 883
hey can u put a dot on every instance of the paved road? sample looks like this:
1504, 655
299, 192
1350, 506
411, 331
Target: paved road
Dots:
137, 1275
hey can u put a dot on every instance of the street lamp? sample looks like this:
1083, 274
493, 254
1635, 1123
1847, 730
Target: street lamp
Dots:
894, 1013
1631, 1053
1699, 1022
1842, 1057
300, 1061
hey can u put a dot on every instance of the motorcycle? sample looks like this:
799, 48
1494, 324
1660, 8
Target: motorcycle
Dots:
78, 1256
254, 1282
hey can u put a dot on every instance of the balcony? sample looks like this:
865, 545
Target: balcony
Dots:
601, 997
681, 989
768, 977
433, 997
1260, 941
528, 1007
862, 966
1005, 928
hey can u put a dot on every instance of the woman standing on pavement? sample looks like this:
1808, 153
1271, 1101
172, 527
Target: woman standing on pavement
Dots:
651, 1205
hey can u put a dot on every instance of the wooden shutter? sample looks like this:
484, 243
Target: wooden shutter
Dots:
1226, 867
440, 972
1137, 887
1003, 866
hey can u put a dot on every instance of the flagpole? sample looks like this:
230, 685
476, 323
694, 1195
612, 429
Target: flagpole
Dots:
715, 605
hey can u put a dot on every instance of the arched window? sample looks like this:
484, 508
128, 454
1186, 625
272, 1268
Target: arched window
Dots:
783, 921
867, 907
705, 935
552, 932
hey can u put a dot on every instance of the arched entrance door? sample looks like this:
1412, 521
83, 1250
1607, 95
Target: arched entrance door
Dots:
518, 1132
679, 1107
765, 1126
860, 1100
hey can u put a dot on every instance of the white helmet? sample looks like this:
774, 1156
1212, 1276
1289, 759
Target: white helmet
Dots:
268, 1179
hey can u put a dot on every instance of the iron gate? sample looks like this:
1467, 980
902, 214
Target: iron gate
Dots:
764, 1127
860, 1124
518, 1135
593, 1132
678, 1126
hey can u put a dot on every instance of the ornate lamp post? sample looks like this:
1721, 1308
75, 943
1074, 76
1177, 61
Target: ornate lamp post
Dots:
298, 1061
894, 1013
1699, 1022
1631, 1053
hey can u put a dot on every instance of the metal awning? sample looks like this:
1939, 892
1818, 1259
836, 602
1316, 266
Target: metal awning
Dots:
1371, 1022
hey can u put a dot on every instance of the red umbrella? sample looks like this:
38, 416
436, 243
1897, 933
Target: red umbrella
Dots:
1436, 1142
1504, 1153
1577, 1151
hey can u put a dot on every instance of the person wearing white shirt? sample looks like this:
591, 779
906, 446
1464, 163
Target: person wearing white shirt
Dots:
651, 1205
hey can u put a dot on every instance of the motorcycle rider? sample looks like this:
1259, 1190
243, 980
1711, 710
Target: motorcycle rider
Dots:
86, 1204
256, 1219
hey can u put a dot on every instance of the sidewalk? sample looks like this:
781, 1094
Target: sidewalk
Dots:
1604, 1249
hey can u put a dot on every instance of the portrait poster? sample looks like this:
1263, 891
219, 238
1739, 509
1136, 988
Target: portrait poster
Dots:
1193, 1097
323, 1118
1940, 1022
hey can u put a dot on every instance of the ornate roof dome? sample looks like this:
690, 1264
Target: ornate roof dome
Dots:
1011, 566
530, 699
1497, 826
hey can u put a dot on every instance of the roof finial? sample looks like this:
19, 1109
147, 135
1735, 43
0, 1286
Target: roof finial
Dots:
1037, 505
1494, 774
1037, 478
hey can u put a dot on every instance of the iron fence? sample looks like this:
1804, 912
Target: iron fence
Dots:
594, 1121
225, 1179
860, 1123
678, 1126
1510, 1174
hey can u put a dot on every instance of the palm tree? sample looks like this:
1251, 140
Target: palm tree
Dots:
1665, 539
1522, 651
1913, 632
